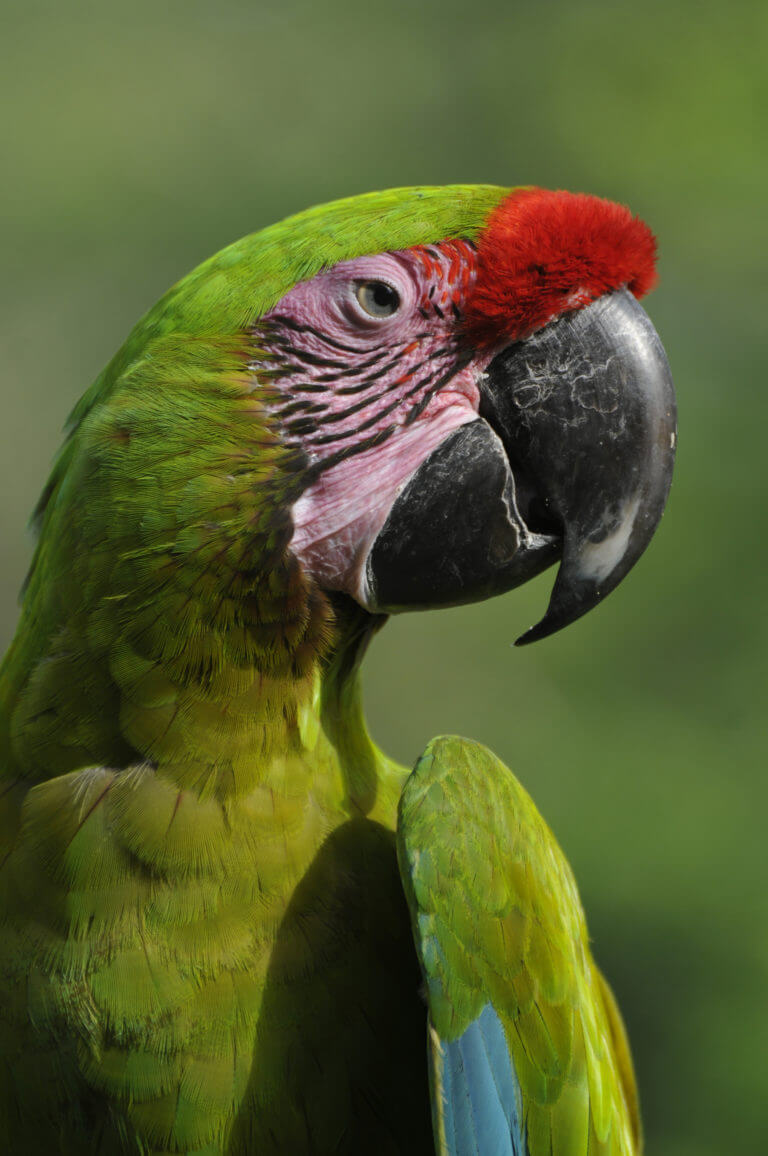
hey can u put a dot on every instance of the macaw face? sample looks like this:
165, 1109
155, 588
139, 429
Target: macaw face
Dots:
471, 415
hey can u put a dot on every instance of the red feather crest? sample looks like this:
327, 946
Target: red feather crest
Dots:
543, 253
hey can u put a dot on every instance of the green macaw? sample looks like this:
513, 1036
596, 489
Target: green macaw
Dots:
230, 924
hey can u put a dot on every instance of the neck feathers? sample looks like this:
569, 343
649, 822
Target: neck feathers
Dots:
165, 619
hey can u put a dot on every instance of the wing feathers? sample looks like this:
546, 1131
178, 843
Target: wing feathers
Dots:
479, 1091
528, 1054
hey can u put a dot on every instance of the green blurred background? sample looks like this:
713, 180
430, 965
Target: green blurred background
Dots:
138, 138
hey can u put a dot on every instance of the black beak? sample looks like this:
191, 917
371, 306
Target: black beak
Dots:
585, 409
571, 458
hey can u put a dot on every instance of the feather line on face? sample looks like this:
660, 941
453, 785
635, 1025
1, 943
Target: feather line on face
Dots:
367, 398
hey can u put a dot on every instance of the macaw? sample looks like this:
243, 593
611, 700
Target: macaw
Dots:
229, 923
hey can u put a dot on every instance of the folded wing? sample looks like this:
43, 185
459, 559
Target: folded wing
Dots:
527, 1051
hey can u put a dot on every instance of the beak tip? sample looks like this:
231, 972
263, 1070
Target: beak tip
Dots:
534, 633
571, 598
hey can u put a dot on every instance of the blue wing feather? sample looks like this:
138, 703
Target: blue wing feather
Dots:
481, 1102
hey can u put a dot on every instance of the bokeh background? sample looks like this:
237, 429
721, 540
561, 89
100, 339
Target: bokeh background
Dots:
137, 138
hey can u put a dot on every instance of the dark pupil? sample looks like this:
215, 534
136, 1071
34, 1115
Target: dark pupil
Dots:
384, 296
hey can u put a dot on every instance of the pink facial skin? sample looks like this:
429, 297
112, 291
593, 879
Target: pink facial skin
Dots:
368, 398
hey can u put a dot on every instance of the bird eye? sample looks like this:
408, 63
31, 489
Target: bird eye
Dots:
377, 298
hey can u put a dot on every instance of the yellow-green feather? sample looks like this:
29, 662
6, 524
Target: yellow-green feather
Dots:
497, 919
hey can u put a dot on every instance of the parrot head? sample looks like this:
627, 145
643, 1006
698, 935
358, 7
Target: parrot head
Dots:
474, 408
414, 398
408, 399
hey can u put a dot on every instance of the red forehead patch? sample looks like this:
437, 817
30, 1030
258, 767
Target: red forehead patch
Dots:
543, 253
